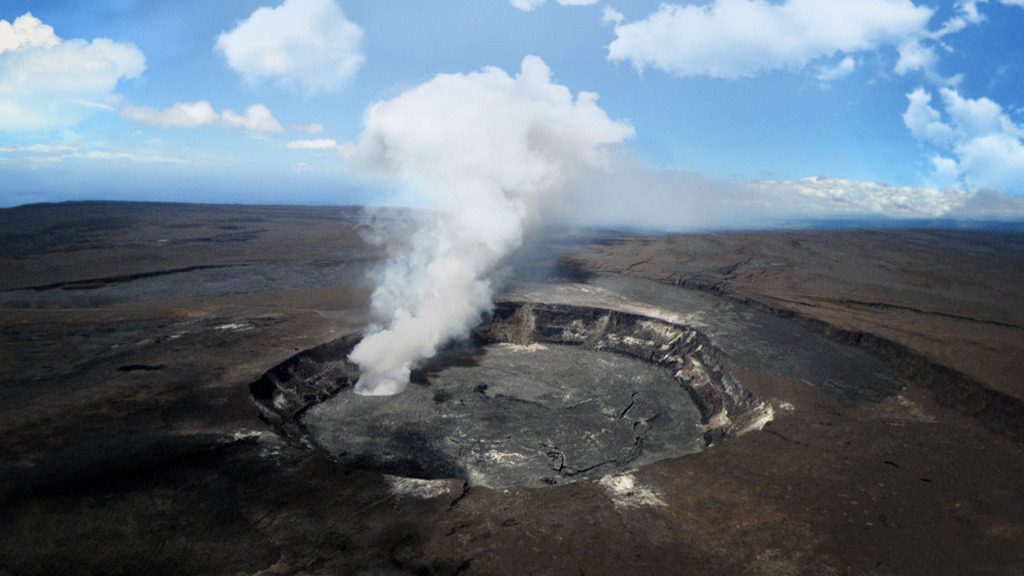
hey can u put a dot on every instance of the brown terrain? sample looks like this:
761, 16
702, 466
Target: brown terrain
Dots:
130, 443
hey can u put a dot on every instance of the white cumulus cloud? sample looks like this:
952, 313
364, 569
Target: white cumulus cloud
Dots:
26, 31
308, 45
48, 83
741, 38
922, 53
45, 155
489, 151
976, 143
257, 118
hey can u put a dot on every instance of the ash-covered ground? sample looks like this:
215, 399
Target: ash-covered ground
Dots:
892, 362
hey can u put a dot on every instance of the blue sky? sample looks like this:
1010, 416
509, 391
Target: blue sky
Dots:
265, 100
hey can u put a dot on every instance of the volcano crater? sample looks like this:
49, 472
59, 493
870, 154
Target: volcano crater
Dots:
539, 395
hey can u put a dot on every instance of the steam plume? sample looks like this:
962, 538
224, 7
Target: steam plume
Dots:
488, 151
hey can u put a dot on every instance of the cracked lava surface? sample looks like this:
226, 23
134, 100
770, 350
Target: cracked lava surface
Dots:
129, 442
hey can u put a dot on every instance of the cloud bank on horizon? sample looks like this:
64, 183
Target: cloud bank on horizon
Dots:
907, 108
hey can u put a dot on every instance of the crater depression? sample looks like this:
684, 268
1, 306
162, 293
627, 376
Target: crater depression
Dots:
541, 394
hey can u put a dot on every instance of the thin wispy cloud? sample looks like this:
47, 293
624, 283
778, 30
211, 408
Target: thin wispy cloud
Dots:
314, 144
843, 68
256, 118
975, 142
530, 5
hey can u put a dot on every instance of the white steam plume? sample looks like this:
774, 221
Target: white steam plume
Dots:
487, 151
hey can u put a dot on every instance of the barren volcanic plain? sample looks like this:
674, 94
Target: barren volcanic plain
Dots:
882, 370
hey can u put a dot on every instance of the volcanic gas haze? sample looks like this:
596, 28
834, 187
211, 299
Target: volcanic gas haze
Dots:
488, 152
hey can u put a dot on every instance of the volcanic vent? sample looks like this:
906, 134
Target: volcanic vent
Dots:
543, 394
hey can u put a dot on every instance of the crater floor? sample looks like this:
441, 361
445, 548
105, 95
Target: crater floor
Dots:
536, 415
560, 393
